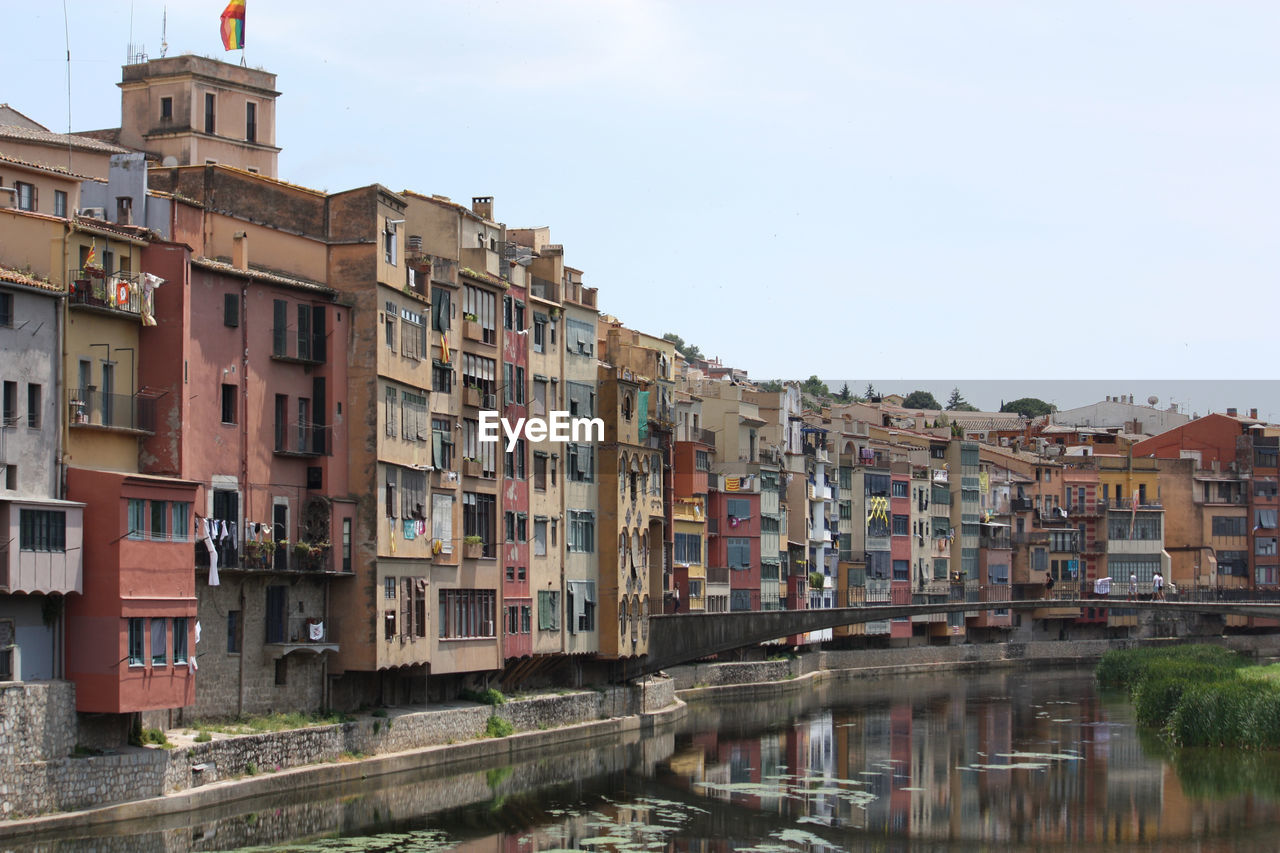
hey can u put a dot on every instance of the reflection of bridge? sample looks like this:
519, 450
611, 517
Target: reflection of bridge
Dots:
678, 638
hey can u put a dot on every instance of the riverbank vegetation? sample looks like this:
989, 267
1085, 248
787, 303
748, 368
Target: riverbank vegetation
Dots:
1199, 695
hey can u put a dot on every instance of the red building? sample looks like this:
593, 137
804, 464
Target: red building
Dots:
733, 541
517, 603
131, 635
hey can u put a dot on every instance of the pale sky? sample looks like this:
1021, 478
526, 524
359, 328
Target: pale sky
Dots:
1017, 190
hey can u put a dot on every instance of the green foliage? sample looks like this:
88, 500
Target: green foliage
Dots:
1029, 407
1242, 713
689, 351
377, 726
772, 385
957, 403
152, 737
815, 580
815, 387
495, 726
486, 697
204, 737
496, 776
272, 722
1123, 669
472, 540
870, 391
251, 769
380, 712
921, 400
845, 394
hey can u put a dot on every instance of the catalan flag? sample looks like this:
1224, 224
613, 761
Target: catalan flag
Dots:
233, 25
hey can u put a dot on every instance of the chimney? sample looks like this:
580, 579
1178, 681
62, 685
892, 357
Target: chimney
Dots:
240, 252
1253, 413
1231, 413
482, 206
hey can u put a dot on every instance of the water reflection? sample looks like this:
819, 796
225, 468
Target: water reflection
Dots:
926, 763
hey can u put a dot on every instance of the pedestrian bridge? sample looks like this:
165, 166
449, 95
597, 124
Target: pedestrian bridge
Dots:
679, 638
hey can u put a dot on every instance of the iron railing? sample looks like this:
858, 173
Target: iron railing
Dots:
91, 407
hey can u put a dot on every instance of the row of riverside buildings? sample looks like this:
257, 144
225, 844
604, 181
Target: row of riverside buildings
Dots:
243, 466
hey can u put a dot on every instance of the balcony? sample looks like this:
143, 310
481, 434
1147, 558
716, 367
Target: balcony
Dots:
117, 294
1128, 503
544, 289
303, 439
1020, 505
90, 408
444, 271
718, 574
705, 436
287, 345
300, 634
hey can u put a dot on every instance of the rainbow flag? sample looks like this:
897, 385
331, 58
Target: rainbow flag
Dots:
233, 25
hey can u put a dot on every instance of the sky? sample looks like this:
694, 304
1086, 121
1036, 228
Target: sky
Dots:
964, 191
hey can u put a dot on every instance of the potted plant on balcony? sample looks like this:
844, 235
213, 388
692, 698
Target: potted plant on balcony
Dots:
471, 467
471, 396
472, 547
471, 327
258, 554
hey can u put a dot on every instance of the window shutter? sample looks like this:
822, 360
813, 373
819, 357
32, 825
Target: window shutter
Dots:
231, 309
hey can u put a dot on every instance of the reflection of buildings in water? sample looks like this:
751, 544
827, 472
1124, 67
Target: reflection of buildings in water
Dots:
821, 767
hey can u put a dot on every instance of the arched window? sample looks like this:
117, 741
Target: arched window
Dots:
644, 550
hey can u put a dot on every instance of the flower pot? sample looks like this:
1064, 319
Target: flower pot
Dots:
471, 468
472, 330
472, 550
471, 397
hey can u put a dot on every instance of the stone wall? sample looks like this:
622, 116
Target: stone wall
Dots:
67, 784
37, 721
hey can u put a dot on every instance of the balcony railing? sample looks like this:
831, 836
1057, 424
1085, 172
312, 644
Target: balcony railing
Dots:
287, 345
705, 436
300, 631
89, 407
545, 289
1020, 504
718, 574
1128, 503
118, 292
303, 439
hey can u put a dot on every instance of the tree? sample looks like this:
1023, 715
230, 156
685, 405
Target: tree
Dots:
1029, 407
921, 400
772, 385
815, 387
844, 394
957, 403
689, 351
870, 392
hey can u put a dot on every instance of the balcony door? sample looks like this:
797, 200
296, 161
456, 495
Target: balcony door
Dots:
280, 532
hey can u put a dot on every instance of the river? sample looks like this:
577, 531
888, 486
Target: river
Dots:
1016, 760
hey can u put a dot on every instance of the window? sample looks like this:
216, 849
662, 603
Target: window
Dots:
276, 613
581, 462
391, 411
539, 472
231, 309
414, 425
688, 548
1261, 488
901, 525
539, 333
548, 610
10, 404
1266, 518
208, 112
702, 460
442, 521
441, 377
538, 406
1265, 546
26, 195
902, 570
1225, 525
1234, 563
389, 494
1145, 526
166, 109
540, 537
389, 623
251, 121
389, 325
282, 671
581, 606
467, 613
279, 327
42, 530
6, 310
228, 404
738, 508
159, 524
580, 338
514, 462
137, 518
179, 517
233, 632
899, 489
1266, 575
60, 203
413, 335
1265, 457
582, 399
442, 443
582, 531
738, 553
159, 644
136, 640
179, 640
34, 406
346, 544
482, 305
479, 514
